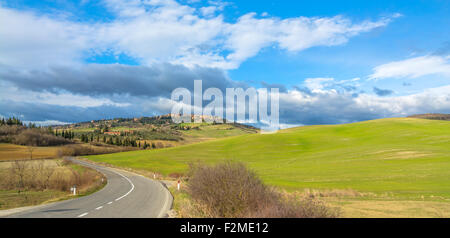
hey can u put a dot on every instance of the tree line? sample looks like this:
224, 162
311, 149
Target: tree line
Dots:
11, 121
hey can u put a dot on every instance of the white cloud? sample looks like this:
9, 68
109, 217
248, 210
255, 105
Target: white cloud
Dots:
29, 40
317, 83
413, 67
330, 106
250, 34
208, 11
429, 101
47, 123
165, 31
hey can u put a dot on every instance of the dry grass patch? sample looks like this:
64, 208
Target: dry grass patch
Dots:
10, 152
391, 209
33, 182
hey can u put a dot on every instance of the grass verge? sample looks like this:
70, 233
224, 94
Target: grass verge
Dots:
35, 189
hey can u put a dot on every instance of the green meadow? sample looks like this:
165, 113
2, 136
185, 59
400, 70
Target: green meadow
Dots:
402, 157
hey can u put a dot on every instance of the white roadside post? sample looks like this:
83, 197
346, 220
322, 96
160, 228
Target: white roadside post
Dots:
178, 185
74, 189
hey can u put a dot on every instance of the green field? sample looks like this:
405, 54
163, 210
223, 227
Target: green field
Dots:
402, 157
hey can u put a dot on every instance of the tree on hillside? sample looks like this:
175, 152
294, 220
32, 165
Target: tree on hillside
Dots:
13, 121
30, 149
50, 130
18, 169
110, 141
31, 143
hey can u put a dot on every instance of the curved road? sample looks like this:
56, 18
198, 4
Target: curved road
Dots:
126, 195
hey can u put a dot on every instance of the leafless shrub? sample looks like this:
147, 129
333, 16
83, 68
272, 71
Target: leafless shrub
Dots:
18, 171
65, 162
7, 133
60, 182
38, 137
47, 174
8, 181
36, 176
176, 175
159, 145
293, 206
35, 180
228, 189
231, 190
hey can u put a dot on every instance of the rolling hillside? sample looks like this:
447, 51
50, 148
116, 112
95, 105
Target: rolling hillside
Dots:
404, 157
157, 129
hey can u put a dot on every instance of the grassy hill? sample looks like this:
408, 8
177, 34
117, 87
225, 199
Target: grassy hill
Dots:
157, 129
405, 157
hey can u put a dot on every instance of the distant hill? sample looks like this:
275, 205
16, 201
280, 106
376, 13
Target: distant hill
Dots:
432, 116
155, 129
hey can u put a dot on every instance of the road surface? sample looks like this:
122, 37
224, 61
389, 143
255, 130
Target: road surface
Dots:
126, 195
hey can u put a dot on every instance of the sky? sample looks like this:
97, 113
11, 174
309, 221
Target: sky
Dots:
333, 61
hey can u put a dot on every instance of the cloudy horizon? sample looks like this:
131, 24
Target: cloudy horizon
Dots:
73, 61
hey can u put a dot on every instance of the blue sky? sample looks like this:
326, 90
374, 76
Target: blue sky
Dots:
338, 61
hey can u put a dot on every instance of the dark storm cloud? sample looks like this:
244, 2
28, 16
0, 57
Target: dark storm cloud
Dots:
103, 80
43, 112
382, 92
136, 91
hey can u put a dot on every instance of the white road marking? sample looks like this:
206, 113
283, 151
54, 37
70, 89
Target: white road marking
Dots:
84, 214
132, 186
99, 167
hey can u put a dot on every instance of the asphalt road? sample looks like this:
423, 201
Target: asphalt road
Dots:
126, 195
